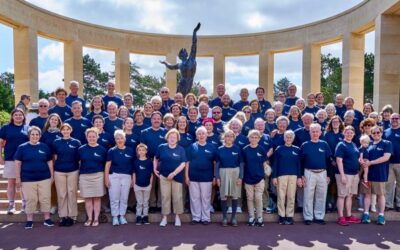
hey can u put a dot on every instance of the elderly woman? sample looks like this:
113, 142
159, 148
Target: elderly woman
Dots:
66, 174
294, 116
236, 126
301, 103
377, 162
168, 121
105, 139
346, 175
117, 177
123, 112
270, 124
330, 110
13, 134
96, 108
278, 108
168, 163
229, 174
322, 119
277, 135
199, 177
286, 171
92, 158
34, 172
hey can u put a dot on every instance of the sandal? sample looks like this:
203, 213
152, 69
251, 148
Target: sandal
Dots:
88, 223
95, 223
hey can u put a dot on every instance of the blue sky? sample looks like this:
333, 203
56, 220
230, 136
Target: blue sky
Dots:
179, 17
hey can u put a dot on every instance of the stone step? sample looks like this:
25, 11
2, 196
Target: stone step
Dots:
186, 218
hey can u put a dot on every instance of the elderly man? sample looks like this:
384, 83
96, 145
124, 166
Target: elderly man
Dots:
392, 134
292, 98
244, 95
166, 102
303, 134
315, 156
203, 111
73, 96
24, 103
40, 120
217, 101
339, 105
264, 104
358, 116
227, 111
110, 96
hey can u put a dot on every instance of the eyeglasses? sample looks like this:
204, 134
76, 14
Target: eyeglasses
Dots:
247, 112
43, 106
164, 92
368, 125
394, 118
216, 112
376, 133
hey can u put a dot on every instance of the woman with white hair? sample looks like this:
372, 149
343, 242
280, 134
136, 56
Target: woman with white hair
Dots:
322, 117
330, 110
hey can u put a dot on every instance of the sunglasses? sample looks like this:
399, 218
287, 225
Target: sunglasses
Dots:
394, 118
376, 133
216, 112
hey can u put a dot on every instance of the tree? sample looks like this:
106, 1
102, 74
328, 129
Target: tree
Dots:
331, 77
281, 86
6, 91
44, 95
368, 77
94, 80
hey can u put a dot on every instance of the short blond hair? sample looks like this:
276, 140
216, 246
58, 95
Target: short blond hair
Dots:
173, 131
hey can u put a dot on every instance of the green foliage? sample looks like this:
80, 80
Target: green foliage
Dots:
4, 117
331, 77
281, 86
6, 91
94, 80
44, 95
144, 87
368, 77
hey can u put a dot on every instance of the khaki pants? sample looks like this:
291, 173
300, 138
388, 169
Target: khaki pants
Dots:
286, 194
142, 198
393, 186
315, 191
254, 194
171, 190
67, 187
265, 196
37, 191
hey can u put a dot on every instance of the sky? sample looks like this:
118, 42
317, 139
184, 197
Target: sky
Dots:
180, 17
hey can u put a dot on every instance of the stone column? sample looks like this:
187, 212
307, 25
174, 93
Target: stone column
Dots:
353, 68
26, 63
122, 71
311, 69
219, 72
171, 75
387, 62
73, 64
266, 73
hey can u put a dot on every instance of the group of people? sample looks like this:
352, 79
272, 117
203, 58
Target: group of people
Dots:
194, 153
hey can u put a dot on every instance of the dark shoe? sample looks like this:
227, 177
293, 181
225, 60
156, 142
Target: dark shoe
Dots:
63, 222
158, 209
70, 222
251, 222
29, 225
260, 222
289, 221
205, 223
389, 209
194, 222
320, 222
281, 220
48, 223
307, 222
138, 220
131, 209
145, 220
299, 210
152, 210
397, 209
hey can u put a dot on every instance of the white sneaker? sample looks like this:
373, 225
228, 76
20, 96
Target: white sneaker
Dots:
11, 209
178, 222
239, 210
229, 211
360, 209
212, 209
122, 220
163, 222
373, 208
115, 221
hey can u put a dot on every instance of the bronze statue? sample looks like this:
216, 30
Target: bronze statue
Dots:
187, 66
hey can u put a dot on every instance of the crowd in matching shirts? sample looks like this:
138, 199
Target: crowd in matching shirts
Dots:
192, 153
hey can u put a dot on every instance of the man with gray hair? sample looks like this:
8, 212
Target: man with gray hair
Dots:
40, 120
110, 96
73, 96
315, 157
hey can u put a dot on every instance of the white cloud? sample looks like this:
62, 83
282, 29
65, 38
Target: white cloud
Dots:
257, 20
53, 51
149, 64
51, 5
103, 57
51, 79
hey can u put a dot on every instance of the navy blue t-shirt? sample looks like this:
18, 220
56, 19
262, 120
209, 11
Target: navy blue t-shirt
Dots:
92, 159
278, 140
240, 104
293, 125
132, 141
286, 161
265, 142
111, 125
201, 162
14, 136
153, 138
49, 137
79, 127
301, 135
67, 154
340, 111
116, 99
269, 127
229, 157
350, 155
137, 129
170, 159
63, 112
121, 160
241, 141
215, 140
291, 101
106, 140
253, 159
264, 105
143, 171
90, 116
193, 126
38, 122
315, 155
247, 126
333, 139
217, 102
218, 128
147, 121
71, 98
393, 135
34, 160
312, 110
227, 113
379, 172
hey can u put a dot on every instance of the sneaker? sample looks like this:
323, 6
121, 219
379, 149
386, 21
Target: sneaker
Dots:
381, 220
397, 209
139, 220
342, 221
360, 209
145, 220
63, 222
115, 221
365, 219
224, 222
11, 209
289, 221
53, 210
239, 210
48, 223
178, 222
122, 220
234, 222
373, 208
194, 222
212, 210
251, 222
320, 222
229, 211
307, 222
260, 222
353, 219
163, 222
269, 210
205, 222
69, 222
29, 225
281, 220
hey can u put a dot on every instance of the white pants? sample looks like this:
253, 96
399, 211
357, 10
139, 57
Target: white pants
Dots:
315, 191
119, 192
200, 200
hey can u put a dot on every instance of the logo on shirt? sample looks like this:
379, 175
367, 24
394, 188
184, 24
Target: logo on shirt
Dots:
41, 152
83, 125
128, 156
321, 150
116, 127
241, 143
103, 140
214, 142
175, 155
294, 153
230, 114
259, 155
95, 154
266, 143
396, 135
234, 153
132, 140
207, 151
161, 137
141, 167
67, 114
189, 139
71, 146
379, 149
